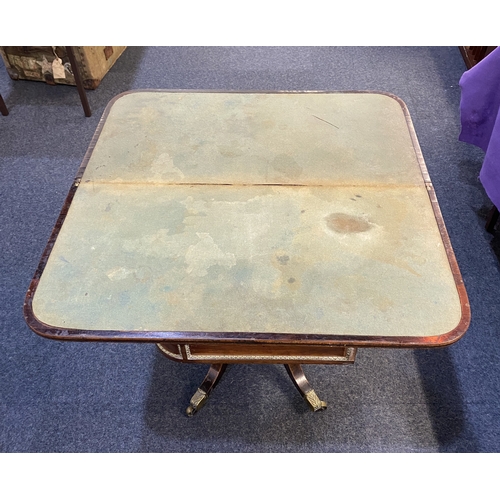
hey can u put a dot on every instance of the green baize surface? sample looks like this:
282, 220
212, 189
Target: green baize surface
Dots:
279, 213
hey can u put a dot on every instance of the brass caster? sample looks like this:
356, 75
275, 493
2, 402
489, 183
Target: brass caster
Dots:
200, 397
316, 404
304, 387
197, 402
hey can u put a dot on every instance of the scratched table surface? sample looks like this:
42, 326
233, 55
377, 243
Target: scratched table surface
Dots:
280, 213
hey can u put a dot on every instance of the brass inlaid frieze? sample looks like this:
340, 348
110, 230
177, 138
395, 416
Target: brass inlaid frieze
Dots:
350, 352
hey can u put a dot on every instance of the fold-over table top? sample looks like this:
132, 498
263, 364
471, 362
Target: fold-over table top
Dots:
289, 215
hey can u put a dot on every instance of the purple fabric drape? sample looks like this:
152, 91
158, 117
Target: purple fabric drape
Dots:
480, 118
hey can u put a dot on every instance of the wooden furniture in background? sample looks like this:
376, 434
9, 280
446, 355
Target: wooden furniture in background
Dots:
78, 81
83, 67
3, 107
472, 55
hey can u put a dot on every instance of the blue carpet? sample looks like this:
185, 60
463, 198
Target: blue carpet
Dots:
87, 397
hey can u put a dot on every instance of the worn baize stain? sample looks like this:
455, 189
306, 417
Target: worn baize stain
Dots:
205, 254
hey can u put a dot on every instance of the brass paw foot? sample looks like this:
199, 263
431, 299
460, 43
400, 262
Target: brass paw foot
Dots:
200, 397
304, 387
197, 401
316, 404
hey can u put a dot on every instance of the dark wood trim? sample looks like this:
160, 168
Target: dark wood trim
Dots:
244, 337
464, 322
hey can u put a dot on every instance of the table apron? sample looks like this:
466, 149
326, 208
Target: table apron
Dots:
225, 352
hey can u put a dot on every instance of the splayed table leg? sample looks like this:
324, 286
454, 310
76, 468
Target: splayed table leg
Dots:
200, 397
304, 387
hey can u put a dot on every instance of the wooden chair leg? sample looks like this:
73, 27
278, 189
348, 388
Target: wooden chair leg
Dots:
492, 219
3, 107
79, 82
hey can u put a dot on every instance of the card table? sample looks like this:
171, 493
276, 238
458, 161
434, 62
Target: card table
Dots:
252, 227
